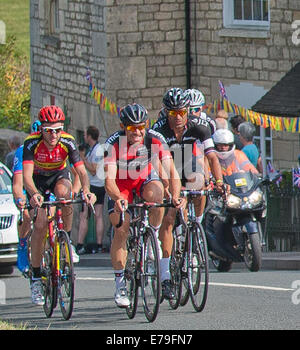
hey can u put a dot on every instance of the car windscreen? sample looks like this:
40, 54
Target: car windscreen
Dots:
5, 182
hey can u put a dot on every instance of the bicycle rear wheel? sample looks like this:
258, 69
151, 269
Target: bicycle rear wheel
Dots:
48, 279
66, 278
150, 275
130, 274
198, 267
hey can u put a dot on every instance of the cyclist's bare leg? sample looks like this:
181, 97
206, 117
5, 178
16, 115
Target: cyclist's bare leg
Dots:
25, 227
165, 232
118, 249
154, 192
63, 189
37, 238
196, 182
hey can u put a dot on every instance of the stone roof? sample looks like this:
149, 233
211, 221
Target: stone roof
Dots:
283, 99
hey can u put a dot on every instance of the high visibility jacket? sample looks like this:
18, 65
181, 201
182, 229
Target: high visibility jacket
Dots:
237, 162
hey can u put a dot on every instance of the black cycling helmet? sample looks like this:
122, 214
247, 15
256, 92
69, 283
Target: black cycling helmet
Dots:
176, 98
133, 114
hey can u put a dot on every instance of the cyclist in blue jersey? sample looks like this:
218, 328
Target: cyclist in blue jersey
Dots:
20, 200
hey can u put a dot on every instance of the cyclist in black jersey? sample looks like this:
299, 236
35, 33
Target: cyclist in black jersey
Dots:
189, 139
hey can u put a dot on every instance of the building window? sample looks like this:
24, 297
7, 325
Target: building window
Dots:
54, 17
246, 13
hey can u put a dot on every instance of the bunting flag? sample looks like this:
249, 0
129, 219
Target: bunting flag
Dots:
296, 177
104, 103
287, 124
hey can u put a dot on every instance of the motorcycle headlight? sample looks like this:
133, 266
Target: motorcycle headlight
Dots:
233, 201
256, 197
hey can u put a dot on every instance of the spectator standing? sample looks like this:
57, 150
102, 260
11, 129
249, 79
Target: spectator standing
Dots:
222, 119
247, 131
93, 162
235, 121
14, 142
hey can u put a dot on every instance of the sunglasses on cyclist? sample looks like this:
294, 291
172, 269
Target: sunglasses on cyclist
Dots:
195, 109
135, 127
49, 130
181, 112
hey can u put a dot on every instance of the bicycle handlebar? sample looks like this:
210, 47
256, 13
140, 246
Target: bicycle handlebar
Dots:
146, 205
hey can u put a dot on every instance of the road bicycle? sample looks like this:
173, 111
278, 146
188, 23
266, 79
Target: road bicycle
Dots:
143, 261
189, 259
57, 268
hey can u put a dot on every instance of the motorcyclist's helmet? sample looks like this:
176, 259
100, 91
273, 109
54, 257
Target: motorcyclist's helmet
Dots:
224, 137
133, 114
197, 98
175, 99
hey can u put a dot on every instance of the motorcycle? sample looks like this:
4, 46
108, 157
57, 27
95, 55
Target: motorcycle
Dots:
233, 225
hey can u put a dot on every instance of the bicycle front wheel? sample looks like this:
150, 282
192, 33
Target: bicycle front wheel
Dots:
150, 275
197, 266
48, 279
130, 273
66, 275
175, 272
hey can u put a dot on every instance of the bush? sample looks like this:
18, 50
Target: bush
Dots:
14, 88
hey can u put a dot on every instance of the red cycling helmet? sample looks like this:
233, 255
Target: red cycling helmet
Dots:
51, 114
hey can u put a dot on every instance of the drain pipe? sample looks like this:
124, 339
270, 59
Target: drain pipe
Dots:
187, 43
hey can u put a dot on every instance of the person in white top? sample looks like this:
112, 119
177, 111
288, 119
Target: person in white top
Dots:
93, 162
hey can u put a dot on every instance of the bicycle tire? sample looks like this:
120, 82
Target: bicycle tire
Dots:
131, 273
66, 278
175, 272
185, 294
48, 279
150, 275
197, 266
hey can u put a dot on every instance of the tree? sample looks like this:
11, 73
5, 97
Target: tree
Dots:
14, 88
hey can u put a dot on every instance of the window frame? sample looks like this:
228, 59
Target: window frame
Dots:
230, 22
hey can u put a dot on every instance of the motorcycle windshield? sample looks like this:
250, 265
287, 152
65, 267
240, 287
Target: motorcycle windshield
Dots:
242, 183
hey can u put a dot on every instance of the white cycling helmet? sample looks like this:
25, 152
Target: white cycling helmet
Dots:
224, 137
197, 98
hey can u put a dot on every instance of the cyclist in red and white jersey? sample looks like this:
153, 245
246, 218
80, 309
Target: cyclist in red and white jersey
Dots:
137, 159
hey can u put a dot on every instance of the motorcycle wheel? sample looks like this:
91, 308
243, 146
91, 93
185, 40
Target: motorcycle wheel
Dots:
253, 255
220, 265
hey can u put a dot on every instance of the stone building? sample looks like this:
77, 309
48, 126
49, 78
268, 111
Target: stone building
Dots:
137, 49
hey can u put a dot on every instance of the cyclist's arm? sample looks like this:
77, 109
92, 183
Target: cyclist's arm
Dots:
76, 186
83, 177
17, 189
27, 178
110, 182
216, 169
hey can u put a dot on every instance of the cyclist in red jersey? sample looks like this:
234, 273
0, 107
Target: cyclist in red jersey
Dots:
137, 159
45, 155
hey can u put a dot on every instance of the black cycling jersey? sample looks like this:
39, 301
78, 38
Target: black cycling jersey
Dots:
196, 140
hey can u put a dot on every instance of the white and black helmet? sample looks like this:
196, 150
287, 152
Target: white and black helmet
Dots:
224, 137
133, 114
197, 98
175, 99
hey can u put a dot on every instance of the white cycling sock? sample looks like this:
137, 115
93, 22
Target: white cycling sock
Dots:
119, 278
199, 219
165, 269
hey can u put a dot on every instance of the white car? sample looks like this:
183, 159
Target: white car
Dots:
9, 215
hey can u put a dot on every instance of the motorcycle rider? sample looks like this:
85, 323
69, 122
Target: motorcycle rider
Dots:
231, 159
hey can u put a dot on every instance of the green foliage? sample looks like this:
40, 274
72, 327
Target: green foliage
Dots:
14, 88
